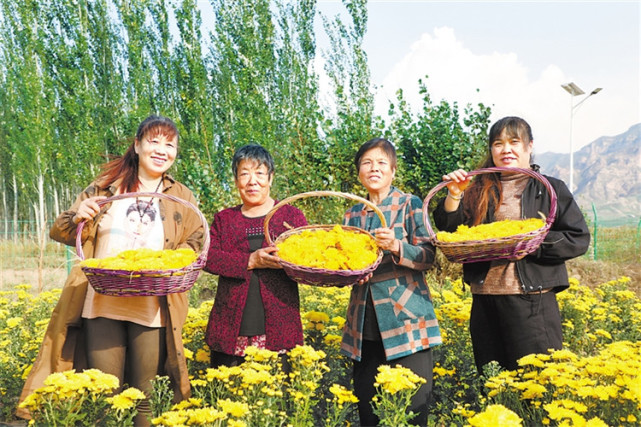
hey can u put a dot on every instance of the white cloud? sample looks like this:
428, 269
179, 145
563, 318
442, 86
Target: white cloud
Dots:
505, 83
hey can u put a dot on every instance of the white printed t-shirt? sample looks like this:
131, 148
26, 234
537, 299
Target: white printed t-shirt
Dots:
128, 224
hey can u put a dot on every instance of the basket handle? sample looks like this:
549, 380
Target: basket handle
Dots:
319, 194
551, 215
203, 252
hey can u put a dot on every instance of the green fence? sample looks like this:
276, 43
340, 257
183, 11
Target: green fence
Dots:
616, 240
24, 259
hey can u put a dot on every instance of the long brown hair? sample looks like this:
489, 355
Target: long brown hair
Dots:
485, 190
126, 166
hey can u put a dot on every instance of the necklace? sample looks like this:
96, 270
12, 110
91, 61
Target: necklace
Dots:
142, 211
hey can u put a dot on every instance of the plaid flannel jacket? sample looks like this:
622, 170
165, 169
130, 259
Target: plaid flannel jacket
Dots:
401, 297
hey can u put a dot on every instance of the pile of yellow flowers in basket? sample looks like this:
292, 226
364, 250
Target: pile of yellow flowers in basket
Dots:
335, 249
144, 259
493, 230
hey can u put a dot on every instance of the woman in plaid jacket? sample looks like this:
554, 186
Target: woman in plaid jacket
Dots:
390, 318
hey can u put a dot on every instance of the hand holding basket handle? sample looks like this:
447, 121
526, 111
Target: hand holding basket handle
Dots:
145, 282
511, 247
320, 276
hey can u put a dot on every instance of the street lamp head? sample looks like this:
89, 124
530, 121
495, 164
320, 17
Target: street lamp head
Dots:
573, 89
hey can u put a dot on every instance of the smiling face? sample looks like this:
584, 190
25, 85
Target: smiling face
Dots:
156, 153
253, 181
511, 151
375, 171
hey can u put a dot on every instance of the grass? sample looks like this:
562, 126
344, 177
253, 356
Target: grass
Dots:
23, 262
616, 244
24, 254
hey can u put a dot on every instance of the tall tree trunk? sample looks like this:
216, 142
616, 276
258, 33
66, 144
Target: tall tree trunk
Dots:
6, 229
5, 211
41, 221
41, 208
15, 206
56, 202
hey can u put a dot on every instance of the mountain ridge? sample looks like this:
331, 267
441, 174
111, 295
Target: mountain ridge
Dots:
607, 175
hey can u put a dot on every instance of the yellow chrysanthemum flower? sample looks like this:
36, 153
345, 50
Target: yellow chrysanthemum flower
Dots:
235, 409
392, 380
494, 230
342, 395
144, 259
496, 415
335, 249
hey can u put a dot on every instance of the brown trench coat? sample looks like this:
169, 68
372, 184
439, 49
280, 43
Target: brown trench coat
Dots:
63, 345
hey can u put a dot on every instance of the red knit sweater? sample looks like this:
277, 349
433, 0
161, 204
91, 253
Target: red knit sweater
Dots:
228, 258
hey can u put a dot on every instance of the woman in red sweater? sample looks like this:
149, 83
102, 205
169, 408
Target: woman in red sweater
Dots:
256, 303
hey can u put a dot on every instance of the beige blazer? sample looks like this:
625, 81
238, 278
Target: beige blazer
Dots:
63, 345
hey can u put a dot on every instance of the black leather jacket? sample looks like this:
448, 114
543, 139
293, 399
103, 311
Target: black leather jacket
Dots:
568, 237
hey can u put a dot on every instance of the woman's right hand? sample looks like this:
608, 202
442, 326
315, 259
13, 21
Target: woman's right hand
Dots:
457, 183
459, 180
264, 258
87, 209
364, 280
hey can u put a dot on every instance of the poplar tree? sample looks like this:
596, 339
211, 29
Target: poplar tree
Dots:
81, 73
197, 166
351, 120
78, 76
139, 87
28, 109
264, 90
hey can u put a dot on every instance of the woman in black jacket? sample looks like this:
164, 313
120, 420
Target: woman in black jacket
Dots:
514, 307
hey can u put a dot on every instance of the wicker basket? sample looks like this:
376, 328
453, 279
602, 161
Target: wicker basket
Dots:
320, 276
509, 247
145, 282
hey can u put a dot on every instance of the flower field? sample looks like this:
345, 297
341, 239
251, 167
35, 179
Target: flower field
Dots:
594, 381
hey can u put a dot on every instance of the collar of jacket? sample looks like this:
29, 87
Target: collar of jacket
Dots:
168, 182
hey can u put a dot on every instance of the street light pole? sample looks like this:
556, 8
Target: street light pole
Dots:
574, 90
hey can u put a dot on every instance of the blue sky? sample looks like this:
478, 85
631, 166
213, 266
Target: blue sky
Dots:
517, 54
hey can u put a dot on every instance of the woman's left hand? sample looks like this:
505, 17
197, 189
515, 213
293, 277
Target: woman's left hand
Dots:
386, 240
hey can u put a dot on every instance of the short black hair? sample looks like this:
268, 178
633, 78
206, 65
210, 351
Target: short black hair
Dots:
381, 143
252, 152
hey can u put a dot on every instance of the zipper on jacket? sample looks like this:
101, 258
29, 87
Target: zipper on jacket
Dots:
518, 263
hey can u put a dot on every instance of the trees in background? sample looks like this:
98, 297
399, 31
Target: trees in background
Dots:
77, 76
436, 140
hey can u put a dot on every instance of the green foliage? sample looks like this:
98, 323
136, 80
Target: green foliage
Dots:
27, 112
437, 140
351, 122
162, 395
78, 77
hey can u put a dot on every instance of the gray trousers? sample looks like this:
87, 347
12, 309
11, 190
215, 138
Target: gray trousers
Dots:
133, 353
